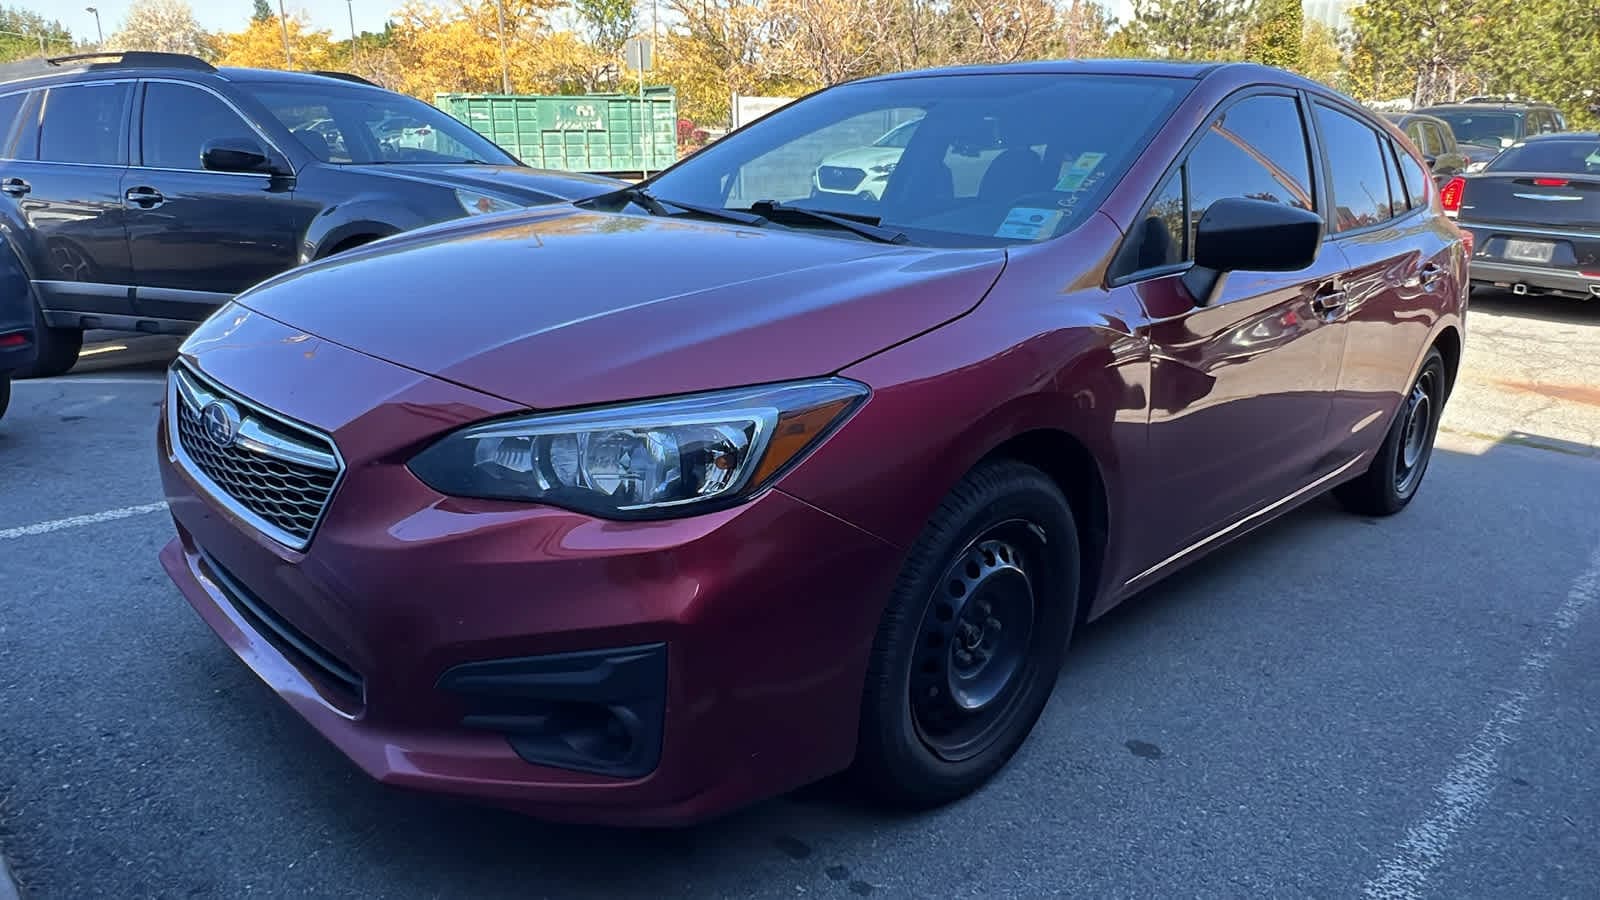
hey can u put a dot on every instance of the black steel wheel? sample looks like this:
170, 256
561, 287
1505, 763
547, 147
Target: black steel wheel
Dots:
971, 642
1395, 474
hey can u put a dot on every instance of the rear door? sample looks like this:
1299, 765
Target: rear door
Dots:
1399, 271
1241, 388
198, 237
65, 181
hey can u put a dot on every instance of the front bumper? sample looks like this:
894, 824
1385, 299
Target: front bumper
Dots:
442, 644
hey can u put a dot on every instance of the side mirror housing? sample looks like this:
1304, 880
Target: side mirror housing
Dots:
1239, 233
235, 155
1431, 161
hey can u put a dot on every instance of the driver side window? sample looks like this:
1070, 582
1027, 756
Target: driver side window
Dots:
1255, 148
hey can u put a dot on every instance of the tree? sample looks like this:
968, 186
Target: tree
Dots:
263, 12
1321, 57
1085, 29
1187, 29
1274, 35
260, 45
609, 23
165, 26
26, 28
1428, 50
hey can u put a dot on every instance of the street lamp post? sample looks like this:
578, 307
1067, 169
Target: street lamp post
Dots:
350, 7
283, 20
101, 35
505, 61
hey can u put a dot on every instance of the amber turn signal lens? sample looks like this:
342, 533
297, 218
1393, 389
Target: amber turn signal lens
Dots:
795, 432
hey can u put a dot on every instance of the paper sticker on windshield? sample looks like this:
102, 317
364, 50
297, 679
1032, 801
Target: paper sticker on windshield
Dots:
1028, 223
1074, 173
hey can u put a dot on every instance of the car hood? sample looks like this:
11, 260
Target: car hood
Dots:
512, 182
563, 307
864, 157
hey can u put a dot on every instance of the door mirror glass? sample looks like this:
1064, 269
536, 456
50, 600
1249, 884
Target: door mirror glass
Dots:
234, 155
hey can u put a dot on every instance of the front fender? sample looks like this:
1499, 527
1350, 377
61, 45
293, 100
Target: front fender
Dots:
368, 216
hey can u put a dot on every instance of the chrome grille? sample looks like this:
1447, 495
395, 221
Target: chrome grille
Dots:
274, 473
839, 178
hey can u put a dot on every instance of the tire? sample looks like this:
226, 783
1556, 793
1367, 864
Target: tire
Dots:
5, 393
58, 349
950, 696
1392, 480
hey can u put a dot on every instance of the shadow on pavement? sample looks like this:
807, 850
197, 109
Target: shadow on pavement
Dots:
1560, 310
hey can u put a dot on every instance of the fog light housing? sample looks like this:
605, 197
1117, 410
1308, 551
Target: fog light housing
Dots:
598, 711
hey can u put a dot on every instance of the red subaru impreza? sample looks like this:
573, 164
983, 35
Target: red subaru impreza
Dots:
811, 452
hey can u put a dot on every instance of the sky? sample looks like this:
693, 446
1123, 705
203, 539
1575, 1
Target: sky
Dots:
231, 15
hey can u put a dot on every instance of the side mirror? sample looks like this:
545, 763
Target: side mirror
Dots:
1238, 233
234, 155
1431, 161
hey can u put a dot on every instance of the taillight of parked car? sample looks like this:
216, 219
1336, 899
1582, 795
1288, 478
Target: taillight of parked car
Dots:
1450, 195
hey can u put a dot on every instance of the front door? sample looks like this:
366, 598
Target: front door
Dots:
1241, 385
199, 237
64, 178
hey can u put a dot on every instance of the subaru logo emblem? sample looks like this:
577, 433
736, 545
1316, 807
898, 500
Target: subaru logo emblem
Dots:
220, 421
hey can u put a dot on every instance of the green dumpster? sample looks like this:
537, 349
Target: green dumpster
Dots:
612, 134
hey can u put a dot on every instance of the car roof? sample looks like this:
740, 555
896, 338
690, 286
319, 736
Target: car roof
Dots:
1508, 106
1069, 67
97, 65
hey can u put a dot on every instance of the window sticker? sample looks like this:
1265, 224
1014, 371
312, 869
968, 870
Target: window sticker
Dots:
1029, 223
1073, 174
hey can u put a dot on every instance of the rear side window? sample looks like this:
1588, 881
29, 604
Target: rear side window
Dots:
1416, 180
1256, 148
1357, 174
1397, 190
10, 108
178, 120
85, 123
1426, 138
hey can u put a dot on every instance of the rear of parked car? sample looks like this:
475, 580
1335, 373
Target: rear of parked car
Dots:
17, 342
1534, 214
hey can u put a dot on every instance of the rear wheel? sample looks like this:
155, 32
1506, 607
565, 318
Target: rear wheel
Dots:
58, 349
1394, 476
970, 645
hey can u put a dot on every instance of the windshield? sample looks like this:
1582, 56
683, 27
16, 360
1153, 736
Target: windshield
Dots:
992, 159
365, 127
1581, 157
1480, 128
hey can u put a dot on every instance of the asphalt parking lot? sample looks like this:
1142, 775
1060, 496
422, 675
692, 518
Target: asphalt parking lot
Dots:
1331, 707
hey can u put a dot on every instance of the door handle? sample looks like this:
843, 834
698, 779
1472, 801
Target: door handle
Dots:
144, 197
1428, 277
16, 187
1329, 300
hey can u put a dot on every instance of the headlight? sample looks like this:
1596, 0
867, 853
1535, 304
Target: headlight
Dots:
475, 203
642, 460
881, 171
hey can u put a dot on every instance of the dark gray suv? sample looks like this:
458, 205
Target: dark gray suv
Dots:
140, 191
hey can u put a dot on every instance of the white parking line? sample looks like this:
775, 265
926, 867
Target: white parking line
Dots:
1470, 782
109, 515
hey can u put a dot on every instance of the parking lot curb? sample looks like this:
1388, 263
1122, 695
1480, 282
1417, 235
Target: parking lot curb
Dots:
8, 885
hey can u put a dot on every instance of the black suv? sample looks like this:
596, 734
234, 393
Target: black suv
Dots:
143, 190
1486, 125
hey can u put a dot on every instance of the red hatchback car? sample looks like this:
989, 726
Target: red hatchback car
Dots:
639, 509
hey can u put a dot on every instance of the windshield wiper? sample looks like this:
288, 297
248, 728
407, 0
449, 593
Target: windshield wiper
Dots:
657, 206
866, 226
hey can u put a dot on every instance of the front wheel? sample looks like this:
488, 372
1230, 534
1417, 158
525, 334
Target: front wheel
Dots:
1396, 473
970, 645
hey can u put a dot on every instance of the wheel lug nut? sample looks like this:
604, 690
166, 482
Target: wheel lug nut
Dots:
933, 692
